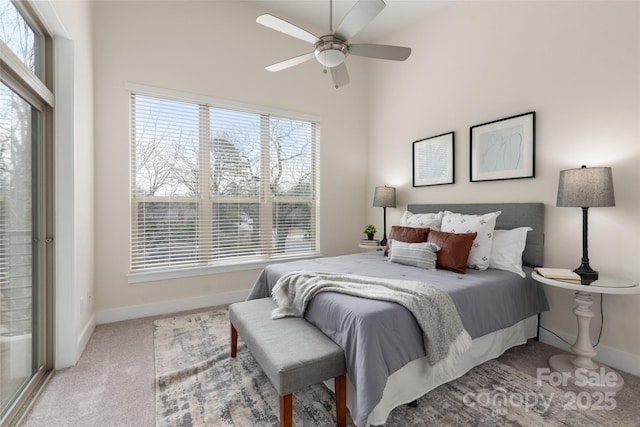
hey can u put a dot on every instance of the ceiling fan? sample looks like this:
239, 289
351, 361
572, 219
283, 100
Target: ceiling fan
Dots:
332, 49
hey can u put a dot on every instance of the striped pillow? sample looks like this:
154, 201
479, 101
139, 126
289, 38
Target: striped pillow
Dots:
422, 255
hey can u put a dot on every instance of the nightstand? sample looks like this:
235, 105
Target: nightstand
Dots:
370, 247
579, 368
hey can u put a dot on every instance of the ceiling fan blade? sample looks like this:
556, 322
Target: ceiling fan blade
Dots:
290, 62
287, 28
380, 51
358, 17
340, 75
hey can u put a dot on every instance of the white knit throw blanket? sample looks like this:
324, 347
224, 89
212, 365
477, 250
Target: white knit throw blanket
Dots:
444, 336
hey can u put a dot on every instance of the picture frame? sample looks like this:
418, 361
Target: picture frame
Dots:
433, 160
503, 149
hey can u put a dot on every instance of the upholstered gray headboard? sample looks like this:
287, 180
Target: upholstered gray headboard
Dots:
513, 215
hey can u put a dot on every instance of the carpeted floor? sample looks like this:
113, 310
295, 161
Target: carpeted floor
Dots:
199, 384
114, 385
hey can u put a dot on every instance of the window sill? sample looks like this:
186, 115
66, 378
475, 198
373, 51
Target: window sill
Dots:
180, 273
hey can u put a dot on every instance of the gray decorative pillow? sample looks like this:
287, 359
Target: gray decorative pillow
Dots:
480, 254
421, 255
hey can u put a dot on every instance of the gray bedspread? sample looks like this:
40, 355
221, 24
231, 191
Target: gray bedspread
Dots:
379, 337
444, 337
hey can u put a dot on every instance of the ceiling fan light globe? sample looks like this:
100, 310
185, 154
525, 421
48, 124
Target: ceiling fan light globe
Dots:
330, 57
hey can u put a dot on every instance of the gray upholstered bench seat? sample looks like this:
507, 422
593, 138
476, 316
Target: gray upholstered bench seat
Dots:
292, 352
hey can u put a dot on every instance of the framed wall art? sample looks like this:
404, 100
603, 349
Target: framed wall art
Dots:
503, 149
433, 160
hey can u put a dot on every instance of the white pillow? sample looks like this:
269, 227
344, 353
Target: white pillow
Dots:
421, 255
431, 220
507, 248
483, 225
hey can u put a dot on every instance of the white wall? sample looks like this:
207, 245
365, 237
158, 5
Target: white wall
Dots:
214, 49
577, 64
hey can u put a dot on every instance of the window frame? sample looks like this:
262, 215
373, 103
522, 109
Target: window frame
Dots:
265, 203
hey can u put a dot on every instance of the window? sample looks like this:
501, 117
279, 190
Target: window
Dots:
213, 185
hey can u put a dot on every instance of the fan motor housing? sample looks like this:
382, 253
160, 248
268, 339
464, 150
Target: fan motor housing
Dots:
330, 51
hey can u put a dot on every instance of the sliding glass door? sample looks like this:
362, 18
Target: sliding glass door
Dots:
19, 288
25, 111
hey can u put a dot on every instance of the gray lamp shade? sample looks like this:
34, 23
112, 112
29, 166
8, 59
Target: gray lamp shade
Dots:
586, 187
384, 197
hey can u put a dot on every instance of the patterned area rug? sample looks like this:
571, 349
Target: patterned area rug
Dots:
199, 384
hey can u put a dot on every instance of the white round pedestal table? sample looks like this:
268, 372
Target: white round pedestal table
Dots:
580, 368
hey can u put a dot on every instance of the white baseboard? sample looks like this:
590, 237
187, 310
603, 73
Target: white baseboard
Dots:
610, 356
165, 307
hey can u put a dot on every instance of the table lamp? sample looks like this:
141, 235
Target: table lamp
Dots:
586, 188
384, 197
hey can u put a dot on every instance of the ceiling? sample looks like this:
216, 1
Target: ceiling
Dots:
314, 14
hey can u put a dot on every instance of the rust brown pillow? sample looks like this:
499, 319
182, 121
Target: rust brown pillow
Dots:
454, 249
407, 235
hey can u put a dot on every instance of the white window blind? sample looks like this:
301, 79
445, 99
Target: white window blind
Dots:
218, 186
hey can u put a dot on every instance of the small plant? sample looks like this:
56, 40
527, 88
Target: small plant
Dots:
370, 229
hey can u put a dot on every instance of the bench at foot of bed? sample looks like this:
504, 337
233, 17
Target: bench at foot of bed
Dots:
292, 352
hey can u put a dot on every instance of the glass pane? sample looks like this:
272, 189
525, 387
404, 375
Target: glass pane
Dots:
291, 178
166, 147
16, 256
236, 229
18, 35
291, 154
167, 233
235, 153
293, 228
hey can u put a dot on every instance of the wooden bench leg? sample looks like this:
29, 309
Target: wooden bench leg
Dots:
286, 411
234, 341
341, 400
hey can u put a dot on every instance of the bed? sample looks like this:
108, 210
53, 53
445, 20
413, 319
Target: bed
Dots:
382, 341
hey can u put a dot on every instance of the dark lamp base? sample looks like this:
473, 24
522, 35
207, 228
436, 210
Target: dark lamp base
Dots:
587, 275
383, 242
